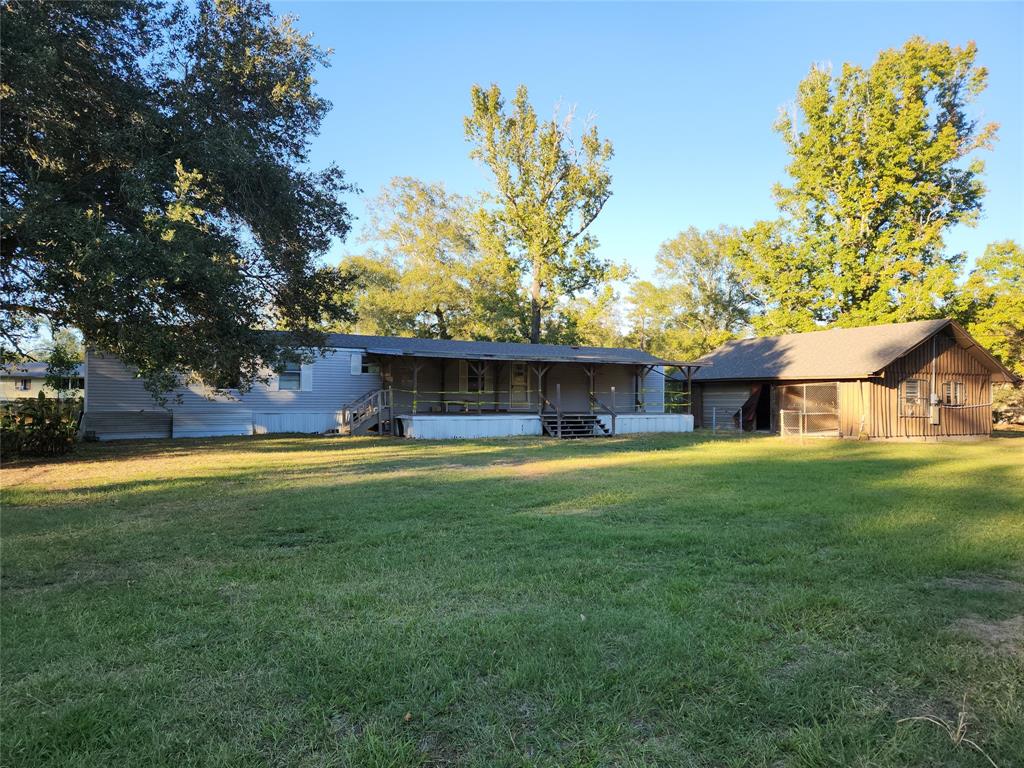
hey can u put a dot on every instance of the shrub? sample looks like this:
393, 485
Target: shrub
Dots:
41, 426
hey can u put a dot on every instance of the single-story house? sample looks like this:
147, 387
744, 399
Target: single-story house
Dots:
924, 379
420, 388
19, 380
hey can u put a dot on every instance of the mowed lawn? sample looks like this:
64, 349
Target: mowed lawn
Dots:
670, 600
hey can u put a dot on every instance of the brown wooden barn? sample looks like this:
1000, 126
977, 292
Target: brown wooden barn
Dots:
925, 379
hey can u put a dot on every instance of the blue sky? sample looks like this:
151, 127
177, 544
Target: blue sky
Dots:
686, 92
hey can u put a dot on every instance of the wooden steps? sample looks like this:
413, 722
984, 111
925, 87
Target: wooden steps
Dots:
573, 426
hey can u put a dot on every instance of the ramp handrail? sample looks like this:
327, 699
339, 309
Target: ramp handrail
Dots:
366, 407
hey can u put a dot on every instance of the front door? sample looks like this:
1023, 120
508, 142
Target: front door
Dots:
519, 386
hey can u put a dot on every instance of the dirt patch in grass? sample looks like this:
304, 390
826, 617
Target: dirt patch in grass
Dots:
1005, 636
342, 726
533, 470
80, 575
980, 583
564, 511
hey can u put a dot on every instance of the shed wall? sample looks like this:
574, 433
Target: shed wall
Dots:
719, 401
952, 363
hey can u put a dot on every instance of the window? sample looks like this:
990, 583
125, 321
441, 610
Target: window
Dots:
290, 377
368, 367
23, 385
953, 393
915, 397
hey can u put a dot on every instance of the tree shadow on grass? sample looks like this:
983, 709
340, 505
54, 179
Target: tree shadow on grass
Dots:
759, 586
865, 497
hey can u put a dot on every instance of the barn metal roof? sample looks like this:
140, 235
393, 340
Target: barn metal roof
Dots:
836, 353
493, 350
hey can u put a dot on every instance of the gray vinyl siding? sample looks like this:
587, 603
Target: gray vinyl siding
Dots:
118, 406
654, 390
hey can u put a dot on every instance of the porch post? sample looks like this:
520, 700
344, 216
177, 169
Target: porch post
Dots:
481, 377
415, 384
589, 370
689, 389
558, 406
639, 389
540, 390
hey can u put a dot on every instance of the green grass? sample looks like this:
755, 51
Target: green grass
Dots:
669, 600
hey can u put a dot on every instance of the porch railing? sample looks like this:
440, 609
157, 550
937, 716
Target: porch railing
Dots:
597, 404
610, 401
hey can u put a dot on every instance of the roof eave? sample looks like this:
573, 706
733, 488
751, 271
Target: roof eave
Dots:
519, 358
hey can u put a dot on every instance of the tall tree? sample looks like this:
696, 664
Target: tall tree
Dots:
647, 316
991, 304
155, 184
424, 234
549, 188
428, 272
881, 168
708, 302
592, 320
699, 300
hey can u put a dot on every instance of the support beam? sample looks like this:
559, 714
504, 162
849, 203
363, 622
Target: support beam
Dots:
689, 389
591, 372
415, 384
540, 370
480, 371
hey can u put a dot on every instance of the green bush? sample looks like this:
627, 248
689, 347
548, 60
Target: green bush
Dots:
42, 426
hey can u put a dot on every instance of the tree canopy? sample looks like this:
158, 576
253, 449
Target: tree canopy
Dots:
991, 305
428, 271
550, 186
881, 167
155, 184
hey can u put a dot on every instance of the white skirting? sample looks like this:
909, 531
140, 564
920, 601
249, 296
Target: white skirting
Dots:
634, 423
444, 427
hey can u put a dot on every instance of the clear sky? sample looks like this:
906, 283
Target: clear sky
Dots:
687, 93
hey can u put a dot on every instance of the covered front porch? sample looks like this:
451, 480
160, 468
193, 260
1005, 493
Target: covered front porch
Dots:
435, 398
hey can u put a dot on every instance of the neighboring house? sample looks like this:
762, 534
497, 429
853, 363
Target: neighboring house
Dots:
19, 380
423, 388
926, 379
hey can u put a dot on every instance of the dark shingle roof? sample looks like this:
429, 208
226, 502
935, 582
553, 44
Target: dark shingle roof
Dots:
33, 370
836, 353
490, 350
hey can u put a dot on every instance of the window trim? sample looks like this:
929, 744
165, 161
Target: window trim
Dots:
953, 393
290, 372
916, 406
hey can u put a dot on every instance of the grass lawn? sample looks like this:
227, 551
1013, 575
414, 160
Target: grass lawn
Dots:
670, 600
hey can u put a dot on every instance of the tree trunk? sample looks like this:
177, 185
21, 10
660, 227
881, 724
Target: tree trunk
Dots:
535, 308
442, 326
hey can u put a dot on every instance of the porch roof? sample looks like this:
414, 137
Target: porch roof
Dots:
494, 350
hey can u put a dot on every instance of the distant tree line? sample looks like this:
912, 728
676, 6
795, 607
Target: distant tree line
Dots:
158, 198
882, 165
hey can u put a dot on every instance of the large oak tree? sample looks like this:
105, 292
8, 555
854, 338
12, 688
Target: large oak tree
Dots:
156, 188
